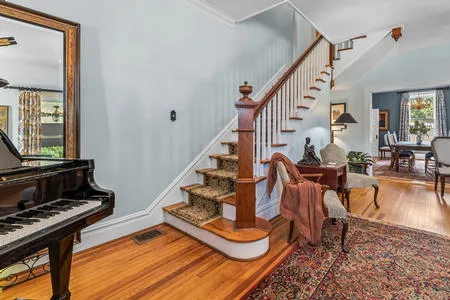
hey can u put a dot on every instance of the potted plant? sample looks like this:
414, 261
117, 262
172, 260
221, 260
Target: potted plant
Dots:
359, 161
419, 129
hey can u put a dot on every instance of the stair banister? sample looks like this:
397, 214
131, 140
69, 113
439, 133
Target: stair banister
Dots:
261, 123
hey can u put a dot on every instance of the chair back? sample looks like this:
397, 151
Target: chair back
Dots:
385, 139
332, 153
390, 141
441, 150
282, 173
395, 137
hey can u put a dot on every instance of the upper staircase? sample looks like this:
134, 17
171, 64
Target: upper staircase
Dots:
221, 211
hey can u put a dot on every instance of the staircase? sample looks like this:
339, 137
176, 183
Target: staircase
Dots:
221, 211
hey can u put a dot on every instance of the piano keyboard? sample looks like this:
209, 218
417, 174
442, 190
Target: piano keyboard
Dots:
26, 222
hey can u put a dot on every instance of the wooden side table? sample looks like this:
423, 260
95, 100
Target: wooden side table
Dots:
333, 176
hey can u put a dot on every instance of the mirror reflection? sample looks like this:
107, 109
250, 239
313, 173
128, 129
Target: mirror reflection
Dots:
32, 102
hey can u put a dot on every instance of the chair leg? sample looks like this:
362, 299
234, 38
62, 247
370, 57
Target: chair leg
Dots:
291, 231
333, 221
442, 185
347, 195
375, 186
344, 233
436, 177
426, 165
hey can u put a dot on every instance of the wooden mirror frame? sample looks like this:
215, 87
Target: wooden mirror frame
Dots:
71, 32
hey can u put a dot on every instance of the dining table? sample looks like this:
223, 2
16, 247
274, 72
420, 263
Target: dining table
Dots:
409, 146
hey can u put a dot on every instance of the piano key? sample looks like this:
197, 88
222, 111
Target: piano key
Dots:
33, 227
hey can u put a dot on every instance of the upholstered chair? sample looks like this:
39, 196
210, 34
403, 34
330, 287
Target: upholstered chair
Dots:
440, 146
333, 206
332, 153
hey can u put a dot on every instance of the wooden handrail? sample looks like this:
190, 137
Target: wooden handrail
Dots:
274, 90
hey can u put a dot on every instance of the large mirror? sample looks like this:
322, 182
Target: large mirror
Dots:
39, 82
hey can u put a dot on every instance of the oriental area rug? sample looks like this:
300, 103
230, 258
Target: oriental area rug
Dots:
383, 262
381, 168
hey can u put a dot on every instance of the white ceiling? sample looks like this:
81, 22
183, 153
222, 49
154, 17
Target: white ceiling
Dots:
37, 58
423, 21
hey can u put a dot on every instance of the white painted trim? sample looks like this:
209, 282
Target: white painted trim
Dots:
235, 250
269, 210
108, 230
212, 11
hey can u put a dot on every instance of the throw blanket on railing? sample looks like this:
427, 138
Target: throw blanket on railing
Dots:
301, 200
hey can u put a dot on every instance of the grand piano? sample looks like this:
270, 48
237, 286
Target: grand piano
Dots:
43, 203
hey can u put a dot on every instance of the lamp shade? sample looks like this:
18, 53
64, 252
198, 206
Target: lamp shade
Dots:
3, 82
345, 118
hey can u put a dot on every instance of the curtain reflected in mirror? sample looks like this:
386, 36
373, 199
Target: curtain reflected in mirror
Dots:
33, 65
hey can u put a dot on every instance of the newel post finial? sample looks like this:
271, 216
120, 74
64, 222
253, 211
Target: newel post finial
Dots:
245, 90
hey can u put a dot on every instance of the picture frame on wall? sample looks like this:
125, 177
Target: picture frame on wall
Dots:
4, 118
336, 109
384, 120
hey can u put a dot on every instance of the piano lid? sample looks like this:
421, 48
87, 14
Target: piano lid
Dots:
10, 158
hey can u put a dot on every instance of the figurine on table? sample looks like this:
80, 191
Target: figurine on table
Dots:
309, 156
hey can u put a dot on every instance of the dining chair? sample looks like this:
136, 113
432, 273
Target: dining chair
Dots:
385, 148
403, 156
333, 207
332, 153
440, 146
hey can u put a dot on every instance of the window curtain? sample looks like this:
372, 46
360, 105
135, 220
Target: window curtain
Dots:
440, 122
29, 123
403, 133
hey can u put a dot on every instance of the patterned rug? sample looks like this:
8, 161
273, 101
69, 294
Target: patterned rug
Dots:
381, 168
384, 262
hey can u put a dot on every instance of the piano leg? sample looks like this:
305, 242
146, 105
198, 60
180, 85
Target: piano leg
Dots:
60, 253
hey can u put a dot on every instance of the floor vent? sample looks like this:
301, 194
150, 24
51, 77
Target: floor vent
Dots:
147, 236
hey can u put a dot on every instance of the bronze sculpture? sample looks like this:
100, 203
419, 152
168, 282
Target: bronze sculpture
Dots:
309, 155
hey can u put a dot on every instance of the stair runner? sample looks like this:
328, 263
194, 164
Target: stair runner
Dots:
204, 203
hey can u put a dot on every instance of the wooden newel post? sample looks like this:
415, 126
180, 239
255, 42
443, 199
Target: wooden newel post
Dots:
245, 183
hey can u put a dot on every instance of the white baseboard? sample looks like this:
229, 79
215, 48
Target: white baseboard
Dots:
112, 229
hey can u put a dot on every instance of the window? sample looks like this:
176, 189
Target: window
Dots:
421, 108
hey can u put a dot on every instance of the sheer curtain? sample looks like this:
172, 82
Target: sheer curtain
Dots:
403, 133
29, 123
440, 121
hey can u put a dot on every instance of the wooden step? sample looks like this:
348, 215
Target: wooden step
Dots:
329, 66
173, 206
229, 143
187, 188
259, 179
303, 106
358, 37
203, 171
225, 228
234, 130
325, 72
215, 156
295, 118
315, 88
345, 49
279, 145
265, 161
309, 97
320, 80
228, 199
287, 130
337, 58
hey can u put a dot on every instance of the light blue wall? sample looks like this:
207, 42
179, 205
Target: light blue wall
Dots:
402, 70
139, 60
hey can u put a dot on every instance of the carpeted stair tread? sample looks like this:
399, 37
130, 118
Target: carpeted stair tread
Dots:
222, 173
230, 157
209, 192
195, 215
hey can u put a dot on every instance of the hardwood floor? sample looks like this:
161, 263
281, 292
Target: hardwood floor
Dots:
175, 266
